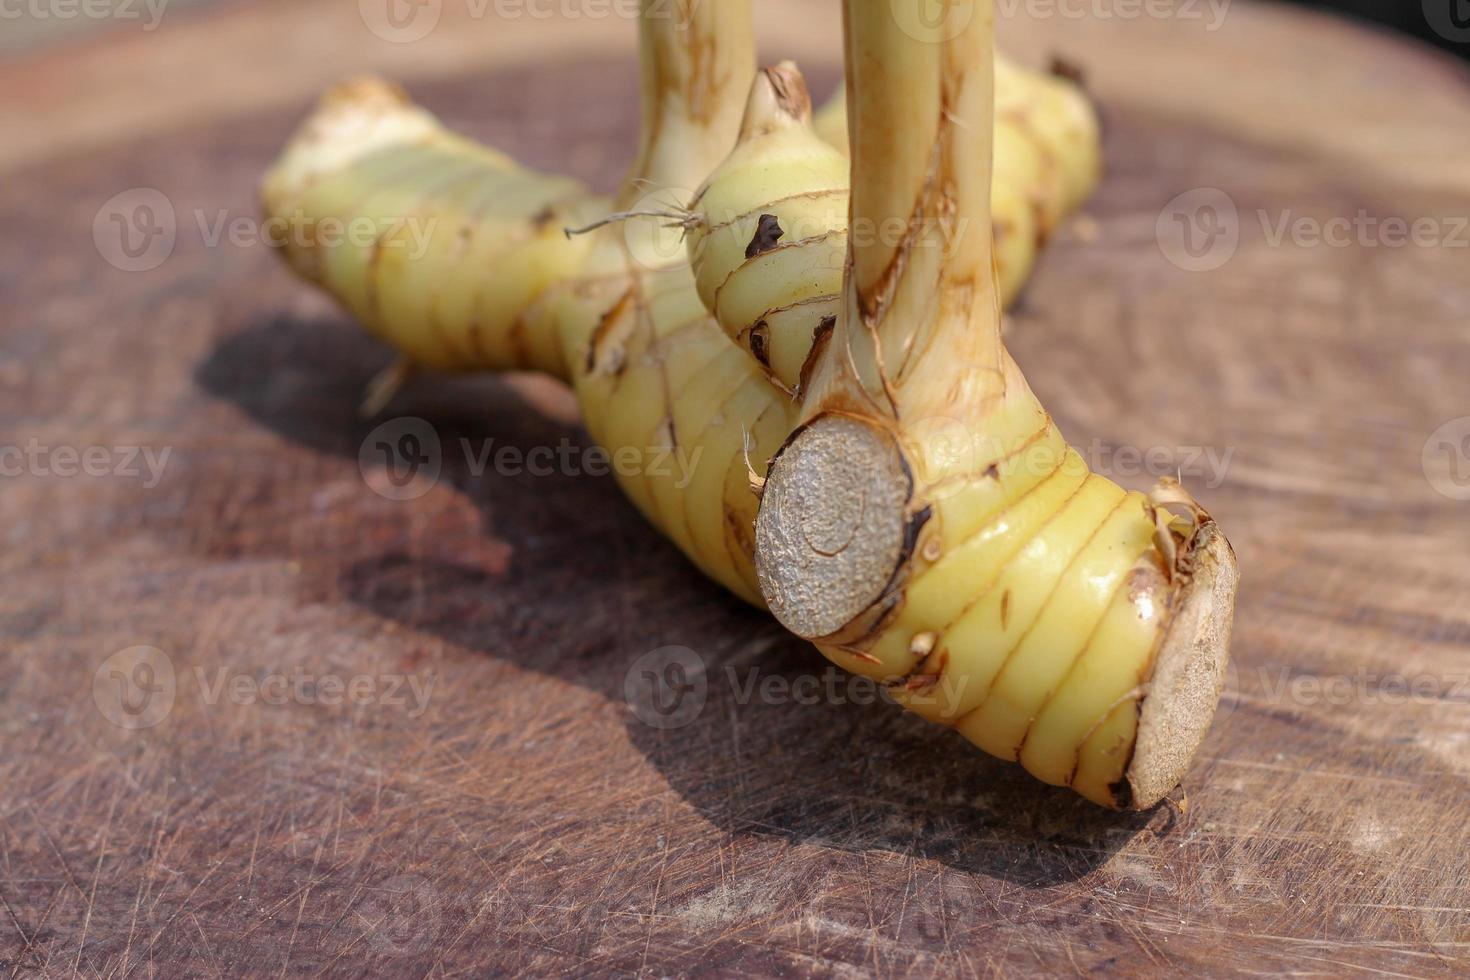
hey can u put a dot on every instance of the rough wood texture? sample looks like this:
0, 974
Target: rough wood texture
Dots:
527, 819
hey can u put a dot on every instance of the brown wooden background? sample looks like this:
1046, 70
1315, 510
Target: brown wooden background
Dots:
527, 820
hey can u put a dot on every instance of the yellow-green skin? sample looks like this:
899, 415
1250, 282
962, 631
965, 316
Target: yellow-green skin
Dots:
1016, 625
1025, 599
1047, 161
769, 234
795, 170
501, 286
465, 239
656, 377
1034, 603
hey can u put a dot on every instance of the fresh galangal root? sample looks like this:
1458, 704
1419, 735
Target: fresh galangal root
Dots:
823, 336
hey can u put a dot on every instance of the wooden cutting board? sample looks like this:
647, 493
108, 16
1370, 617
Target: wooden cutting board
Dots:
382, 736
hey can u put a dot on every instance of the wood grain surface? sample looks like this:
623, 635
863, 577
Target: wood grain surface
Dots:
386, 737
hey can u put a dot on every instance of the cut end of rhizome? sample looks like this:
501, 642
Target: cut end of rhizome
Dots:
838, 532
831, 531
1188, 672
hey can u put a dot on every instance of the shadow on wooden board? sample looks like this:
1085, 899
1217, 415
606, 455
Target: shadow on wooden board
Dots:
849, 771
